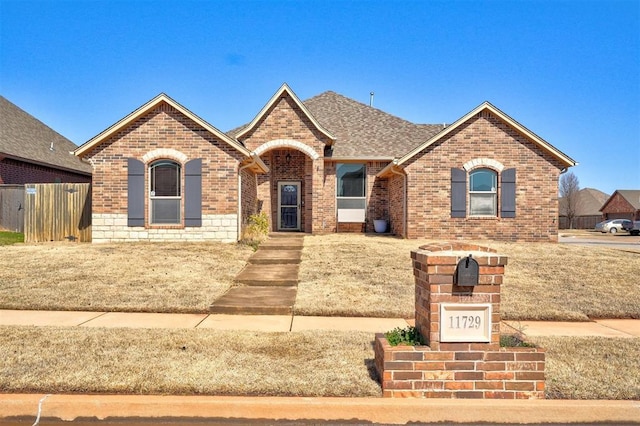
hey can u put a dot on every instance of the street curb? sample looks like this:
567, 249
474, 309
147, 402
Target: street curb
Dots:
378, 410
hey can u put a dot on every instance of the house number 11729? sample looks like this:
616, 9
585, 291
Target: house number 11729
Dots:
465, 321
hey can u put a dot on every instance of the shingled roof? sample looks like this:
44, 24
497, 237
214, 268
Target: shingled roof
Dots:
25, 138
364, 132
631, 195
589, 202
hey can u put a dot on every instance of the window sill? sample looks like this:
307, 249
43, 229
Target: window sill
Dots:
165, 226
482, 217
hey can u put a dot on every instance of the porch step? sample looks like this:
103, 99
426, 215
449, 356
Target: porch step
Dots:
299, 235
275, 257
281, 243
256, 300
269, 275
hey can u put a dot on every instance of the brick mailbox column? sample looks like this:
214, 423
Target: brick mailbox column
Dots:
462, 357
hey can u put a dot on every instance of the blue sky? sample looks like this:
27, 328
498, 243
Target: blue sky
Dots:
567, 70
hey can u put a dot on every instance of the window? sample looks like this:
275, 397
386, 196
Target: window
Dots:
165, 193
483, 192
350, 193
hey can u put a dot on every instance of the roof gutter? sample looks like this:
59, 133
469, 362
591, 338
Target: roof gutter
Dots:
387, 169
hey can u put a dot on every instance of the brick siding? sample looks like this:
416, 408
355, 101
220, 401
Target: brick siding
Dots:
20, 172
619, 208
286, 131
483, 136
286, 120
164, 127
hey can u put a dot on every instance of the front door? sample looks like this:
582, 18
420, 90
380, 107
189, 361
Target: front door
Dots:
288, 206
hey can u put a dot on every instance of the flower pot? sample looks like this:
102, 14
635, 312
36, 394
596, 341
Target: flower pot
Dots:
380, 225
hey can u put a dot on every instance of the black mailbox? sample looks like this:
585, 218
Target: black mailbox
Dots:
467, 272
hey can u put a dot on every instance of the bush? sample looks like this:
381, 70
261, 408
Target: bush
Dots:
257, 230
409, 336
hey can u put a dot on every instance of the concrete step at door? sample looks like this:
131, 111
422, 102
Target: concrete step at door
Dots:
269, 275
256, 300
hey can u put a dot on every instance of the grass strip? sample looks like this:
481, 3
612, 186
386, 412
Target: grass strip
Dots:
189, 362
592, 367
8, 238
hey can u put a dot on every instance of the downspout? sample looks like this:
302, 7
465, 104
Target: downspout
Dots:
239, 220
404, 197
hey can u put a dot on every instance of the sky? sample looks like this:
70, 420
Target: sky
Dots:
567, 70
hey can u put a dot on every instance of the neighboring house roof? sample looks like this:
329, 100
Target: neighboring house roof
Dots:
284, 90
631, 195
565, 159
589, 202
364, 132
153, 103
25, 138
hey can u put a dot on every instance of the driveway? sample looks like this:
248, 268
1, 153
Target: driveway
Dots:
621, 241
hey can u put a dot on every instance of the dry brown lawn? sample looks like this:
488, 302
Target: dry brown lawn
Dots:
346, 274
340, 274
311, 363
145, 277
592, 367
193, 361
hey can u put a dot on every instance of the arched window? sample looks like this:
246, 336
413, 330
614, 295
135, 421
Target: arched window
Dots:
165, 192
483, 190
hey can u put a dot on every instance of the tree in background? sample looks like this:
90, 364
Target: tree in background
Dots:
569, 188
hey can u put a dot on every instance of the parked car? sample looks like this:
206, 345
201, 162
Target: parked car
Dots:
632, 227
612, 226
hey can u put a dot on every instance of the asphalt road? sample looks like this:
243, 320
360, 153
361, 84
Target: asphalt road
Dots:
622, 241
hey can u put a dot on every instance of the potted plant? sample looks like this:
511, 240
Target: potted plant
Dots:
380, 225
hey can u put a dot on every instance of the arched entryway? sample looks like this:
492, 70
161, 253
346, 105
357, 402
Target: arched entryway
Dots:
286, 192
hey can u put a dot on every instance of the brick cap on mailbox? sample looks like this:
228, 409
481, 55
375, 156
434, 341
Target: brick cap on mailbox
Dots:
456, 250
456, 246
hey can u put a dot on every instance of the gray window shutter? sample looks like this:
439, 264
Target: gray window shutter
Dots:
193, 193
508, 199
458, 193
135, 192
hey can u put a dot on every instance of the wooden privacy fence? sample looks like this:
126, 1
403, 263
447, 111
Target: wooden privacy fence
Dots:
12, 207
57, 212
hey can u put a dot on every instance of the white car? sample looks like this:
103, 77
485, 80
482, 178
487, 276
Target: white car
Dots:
612, 226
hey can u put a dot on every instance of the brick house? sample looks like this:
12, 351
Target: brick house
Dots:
588, 203
328, 164
32, 152
623, 204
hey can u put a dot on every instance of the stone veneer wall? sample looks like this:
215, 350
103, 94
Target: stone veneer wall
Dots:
458, 370
107, 227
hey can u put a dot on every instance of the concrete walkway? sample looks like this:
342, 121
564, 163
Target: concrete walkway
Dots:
268, 285
625, 328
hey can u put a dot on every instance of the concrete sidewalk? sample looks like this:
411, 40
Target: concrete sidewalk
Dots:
265, 323
140, 409
626, 328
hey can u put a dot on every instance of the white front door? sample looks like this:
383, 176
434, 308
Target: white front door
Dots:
288, 206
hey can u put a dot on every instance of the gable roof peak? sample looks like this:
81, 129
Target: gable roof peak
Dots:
486, 105
284, 89
149, 106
